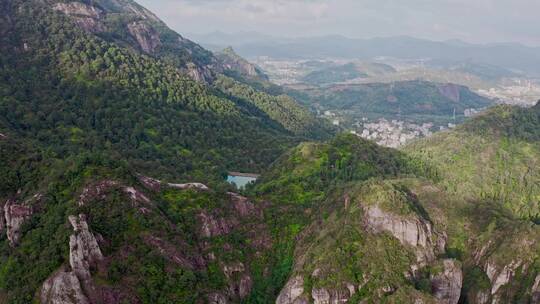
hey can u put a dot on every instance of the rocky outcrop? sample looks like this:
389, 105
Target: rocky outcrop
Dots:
2, 220
240, 282
212, 226
86, 16
100, 190
411, 231
217, 298
242, 205
500, 277
231, 61
446, 286
145, 35
194, 186
172, 253
535, 290
84, 251
2, 136
15, 215
76, 285
63, 288
156, 185
293, 292
331, 296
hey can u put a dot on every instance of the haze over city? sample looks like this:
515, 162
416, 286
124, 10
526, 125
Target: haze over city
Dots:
482, 21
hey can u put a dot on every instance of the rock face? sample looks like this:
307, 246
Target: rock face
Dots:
332, 296
147, 37
15, 215
292, 292
415, 232
195, 186
212, 226
535, 290
84, 252
242, 205
75, 286
63, 288
231, 61
86, 16
446, 286
238, 287
500, 277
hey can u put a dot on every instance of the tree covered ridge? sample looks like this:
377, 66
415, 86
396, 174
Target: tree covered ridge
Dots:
74, 91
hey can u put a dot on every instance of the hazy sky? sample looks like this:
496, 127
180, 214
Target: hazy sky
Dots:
469, 20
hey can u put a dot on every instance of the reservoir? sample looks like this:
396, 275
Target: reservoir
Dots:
241, 179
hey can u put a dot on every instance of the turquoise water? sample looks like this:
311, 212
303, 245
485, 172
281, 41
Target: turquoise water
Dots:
240, 181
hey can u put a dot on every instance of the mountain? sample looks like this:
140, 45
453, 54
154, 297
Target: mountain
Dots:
514, 57
112, 184
492, 156
107, 95
415, 101
448, 226
236, 64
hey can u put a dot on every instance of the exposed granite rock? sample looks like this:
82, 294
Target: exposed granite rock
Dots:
150, 183
231, 61
86, 16
293, 292
244, 286
482, 297
242, 205
147, 37
84, 251
63, 288
199, 74
500, 277
212, 226
156, 185
100, 190
2, 220
238, 288
15, 215
217, 298
415, 232
135, 195
76, 286
172, 253
446, 286
97, 190
195, 186
330, 296
535, 290
78, 9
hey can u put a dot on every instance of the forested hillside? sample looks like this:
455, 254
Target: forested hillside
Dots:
74, 92
115, 138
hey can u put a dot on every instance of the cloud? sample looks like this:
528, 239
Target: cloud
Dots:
472, 20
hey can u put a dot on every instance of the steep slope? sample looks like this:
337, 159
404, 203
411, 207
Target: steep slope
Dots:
71, 90
493, 156
239, 66
395, 240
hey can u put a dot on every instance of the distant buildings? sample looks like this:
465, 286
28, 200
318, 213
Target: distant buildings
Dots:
394, 133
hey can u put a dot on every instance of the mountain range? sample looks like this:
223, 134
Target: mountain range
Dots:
514, 57
117, 134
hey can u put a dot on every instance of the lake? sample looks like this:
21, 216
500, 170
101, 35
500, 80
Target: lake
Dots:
241, 179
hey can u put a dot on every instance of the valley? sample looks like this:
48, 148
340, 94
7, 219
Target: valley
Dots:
138, 166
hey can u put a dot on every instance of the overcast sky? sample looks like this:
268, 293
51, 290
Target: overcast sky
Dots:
469, 20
